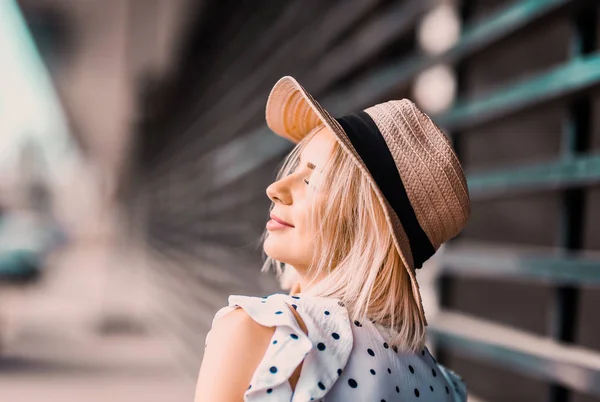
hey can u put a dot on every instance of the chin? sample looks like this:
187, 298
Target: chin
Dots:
274, 249
279, 249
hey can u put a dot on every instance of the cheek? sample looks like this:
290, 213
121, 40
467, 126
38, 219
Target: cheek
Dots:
295, 246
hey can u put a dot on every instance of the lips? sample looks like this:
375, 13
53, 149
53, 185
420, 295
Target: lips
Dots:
276, 219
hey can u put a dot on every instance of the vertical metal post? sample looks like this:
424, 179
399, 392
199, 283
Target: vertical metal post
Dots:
576, 136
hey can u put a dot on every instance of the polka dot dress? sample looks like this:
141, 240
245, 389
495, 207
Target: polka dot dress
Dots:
343, 360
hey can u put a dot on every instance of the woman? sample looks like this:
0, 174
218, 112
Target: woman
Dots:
359, 204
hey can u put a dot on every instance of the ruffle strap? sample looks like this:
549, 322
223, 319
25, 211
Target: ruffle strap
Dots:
325, 350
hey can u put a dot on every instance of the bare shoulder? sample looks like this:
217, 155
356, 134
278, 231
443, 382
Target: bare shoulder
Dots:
239, 326
234, 349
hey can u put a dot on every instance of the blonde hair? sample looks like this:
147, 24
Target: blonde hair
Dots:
355, 258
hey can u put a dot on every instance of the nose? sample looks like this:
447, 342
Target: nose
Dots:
279, 191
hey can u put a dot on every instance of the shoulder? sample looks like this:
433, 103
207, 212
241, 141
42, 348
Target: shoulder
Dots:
234, 349
241, 323
237, 325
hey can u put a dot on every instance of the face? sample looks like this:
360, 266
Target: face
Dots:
290, 239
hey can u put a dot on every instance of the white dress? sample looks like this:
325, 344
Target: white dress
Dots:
343, 361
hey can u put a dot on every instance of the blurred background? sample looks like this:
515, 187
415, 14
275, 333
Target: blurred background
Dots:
134, 159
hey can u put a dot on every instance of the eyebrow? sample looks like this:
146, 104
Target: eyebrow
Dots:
296, 162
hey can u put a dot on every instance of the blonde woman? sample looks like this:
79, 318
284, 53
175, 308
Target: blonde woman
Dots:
360, 203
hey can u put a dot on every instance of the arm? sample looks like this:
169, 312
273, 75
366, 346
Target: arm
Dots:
234, 349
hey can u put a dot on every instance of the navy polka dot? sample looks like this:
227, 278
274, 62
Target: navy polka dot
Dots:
263, 301
353, 382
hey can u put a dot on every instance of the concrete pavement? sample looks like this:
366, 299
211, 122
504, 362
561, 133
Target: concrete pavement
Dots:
54, 350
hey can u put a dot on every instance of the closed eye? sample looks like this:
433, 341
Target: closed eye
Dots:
311, 167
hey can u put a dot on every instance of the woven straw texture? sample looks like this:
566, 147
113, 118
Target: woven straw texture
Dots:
430, 171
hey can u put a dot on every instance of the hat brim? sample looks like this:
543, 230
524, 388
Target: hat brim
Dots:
291, 113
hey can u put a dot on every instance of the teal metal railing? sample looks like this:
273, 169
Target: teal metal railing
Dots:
552, 357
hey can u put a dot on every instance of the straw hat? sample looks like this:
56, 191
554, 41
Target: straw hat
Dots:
408, 160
